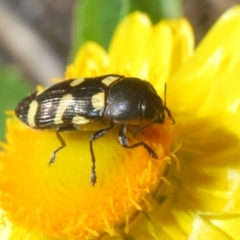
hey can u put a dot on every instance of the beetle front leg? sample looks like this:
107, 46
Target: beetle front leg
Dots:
96, 135
123, 141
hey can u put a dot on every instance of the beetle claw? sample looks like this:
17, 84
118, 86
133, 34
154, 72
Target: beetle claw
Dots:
52, 159
153, 154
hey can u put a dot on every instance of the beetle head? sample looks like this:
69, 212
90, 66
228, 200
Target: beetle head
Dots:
152, 108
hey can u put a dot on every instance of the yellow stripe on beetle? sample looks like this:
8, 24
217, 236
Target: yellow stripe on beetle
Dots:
64, 103
33, 106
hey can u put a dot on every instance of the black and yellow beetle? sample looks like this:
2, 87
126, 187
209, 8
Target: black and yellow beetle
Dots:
68, 105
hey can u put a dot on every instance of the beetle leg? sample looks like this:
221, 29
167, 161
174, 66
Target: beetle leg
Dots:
96, 135
61, 140
63, 144
123, 141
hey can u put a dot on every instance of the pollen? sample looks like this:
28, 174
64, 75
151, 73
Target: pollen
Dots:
58, 200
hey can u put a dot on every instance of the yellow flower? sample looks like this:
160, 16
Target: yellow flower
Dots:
132, 198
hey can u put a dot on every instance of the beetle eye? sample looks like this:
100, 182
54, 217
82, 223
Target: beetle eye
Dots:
152, 108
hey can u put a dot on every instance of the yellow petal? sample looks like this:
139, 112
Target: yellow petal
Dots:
91, 60
183, 43
169, 48
129, 42
213, 66
230, 226
158, 52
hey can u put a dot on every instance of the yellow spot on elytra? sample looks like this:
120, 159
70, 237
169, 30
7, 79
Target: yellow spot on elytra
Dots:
109, 80
31, 113
98, 100
62, 106
76, 82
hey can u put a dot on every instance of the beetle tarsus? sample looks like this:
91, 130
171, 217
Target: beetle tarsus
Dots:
151, 152
93, 179
52, 159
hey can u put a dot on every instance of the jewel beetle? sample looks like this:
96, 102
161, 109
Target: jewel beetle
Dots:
111, 98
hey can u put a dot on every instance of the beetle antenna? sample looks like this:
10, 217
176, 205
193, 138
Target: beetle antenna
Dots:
165, 104
143, 127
